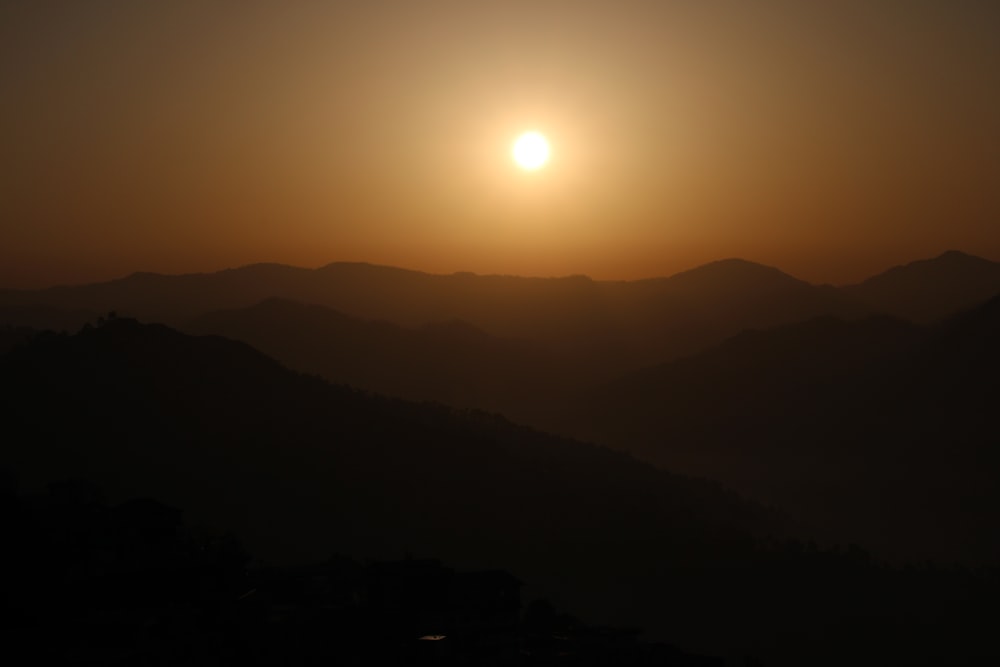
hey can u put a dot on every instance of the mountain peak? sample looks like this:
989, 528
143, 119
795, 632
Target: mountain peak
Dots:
735, 273
949, 265
930, 289
957, 255
366, 268
947, 261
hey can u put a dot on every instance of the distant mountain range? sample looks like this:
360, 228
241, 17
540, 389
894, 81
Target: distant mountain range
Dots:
805, 396
610, 327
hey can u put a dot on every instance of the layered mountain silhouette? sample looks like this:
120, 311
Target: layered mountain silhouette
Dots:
611, 326
877, 429
449, 362
792, 393
301, 468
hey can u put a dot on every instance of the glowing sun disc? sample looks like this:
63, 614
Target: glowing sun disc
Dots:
531, 150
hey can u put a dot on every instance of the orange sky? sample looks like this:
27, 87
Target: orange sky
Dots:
196, 135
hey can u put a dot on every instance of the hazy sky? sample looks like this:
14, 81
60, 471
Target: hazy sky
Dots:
830, 139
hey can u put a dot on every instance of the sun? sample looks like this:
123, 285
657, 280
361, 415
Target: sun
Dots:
531, 151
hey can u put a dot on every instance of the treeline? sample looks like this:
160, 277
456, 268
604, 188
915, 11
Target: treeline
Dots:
89, 582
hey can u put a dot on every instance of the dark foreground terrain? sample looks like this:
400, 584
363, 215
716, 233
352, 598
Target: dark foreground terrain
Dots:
132, 585
300, 470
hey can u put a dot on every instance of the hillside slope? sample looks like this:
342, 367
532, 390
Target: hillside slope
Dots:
879, 429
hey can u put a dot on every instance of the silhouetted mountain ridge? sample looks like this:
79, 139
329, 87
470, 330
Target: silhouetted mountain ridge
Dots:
931, 289
570, 332
301, 468
735, 274
877, 428
452, 362
607, 325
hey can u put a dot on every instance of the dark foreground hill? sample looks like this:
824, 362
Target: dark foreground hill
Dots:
90, 583
301, 469
877, 429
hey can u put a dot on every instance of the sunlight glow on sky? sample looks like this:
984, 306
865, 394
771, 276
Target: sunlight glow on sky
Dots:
830, 141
